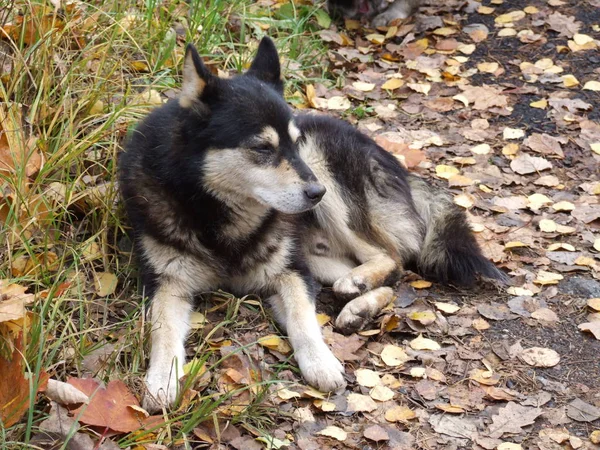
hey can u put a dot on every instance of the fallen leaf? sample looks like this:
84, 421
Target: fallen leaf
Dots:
421, 343
274, 342
540, 357
334, 432
367, 377
394, 356
376, 433
511, 419
381, 393
392, 84
592, 327
525, 164
582, 412
105, 283
360, 403
399, 414
108, 406
64, 393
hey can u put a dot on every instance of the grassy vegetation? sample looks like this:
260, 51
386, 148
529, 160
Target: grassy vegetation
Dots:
74, 80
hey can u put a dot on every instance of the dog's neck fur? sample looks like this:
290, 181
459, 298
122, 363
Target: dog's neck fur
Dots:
246, 215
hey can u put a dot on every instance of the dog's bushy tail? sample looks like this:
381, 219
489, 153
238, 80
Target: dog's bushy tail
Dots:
449, 253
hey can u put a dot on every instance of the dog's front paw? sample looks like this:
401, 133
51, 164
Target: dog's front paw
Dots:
321, 369
161, 392
350, 286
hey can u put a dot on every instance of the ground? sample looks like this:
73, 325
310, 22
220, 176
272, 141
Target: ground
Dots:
497, 101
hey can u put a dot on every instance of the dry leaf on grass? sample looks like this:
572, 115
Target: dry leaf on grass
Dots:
108, 407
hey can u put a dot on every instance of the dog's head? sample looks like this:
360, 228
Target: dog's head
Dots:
241, 134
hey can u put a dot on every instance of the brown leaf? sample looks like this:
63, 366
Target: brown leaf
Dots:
546, 144
582, 412
592, 327
511, 419
14, 388
108, 407
376, 433
525, 164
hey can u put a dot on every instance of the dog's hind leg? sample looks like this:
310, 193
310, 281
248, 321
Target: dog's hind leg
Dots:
294, 309
362, 309
327, 270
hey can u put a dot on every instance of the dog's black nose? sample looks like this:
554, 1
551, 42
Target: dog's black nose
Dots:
314, 191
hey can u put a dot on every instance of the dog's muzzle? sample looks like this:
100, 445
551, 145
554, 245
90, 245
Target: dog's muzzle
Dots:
314, 192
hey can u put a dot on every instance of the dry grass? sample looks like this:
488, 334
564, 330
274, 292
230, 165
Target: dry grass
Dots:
74, 80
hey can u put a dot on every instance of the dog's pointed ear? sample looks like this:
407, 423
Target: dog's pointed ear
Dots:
195, 77
265, 65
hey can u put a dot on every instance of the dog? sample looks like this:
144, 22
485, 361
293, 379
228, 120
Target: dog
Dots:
381, 12
225, 188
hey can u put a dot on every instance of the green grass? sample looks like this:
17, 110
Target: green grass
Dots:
75, 84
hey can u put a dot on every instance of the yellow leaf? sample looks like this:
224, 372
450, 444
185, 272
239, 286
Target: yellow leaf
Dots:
447, 308
597, 244
545, 278
563, 206
424, 317
509, 446
464, 200
445, 31
485, 377
585, 261
394, 356
510, 17
540, 104
486, 10
362, 86
334, 432
488, 67
393, 83
381, 393
547, 225
480, 324
569, 81
140, 66
595, 146
594, 303
323, 319
561, 246
481, 149
274, 342
417, 372
376, 38
197, 320
422, 88
367, 377
420, 284
592, 86
514, 244
422, 343
450, 408
399, 414
286, 394
445, 172
105, 283
531, 10
324, 405
582, 39
512, 133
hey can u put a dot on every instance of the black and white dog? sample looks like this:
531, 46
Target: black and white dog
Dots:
226, 188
